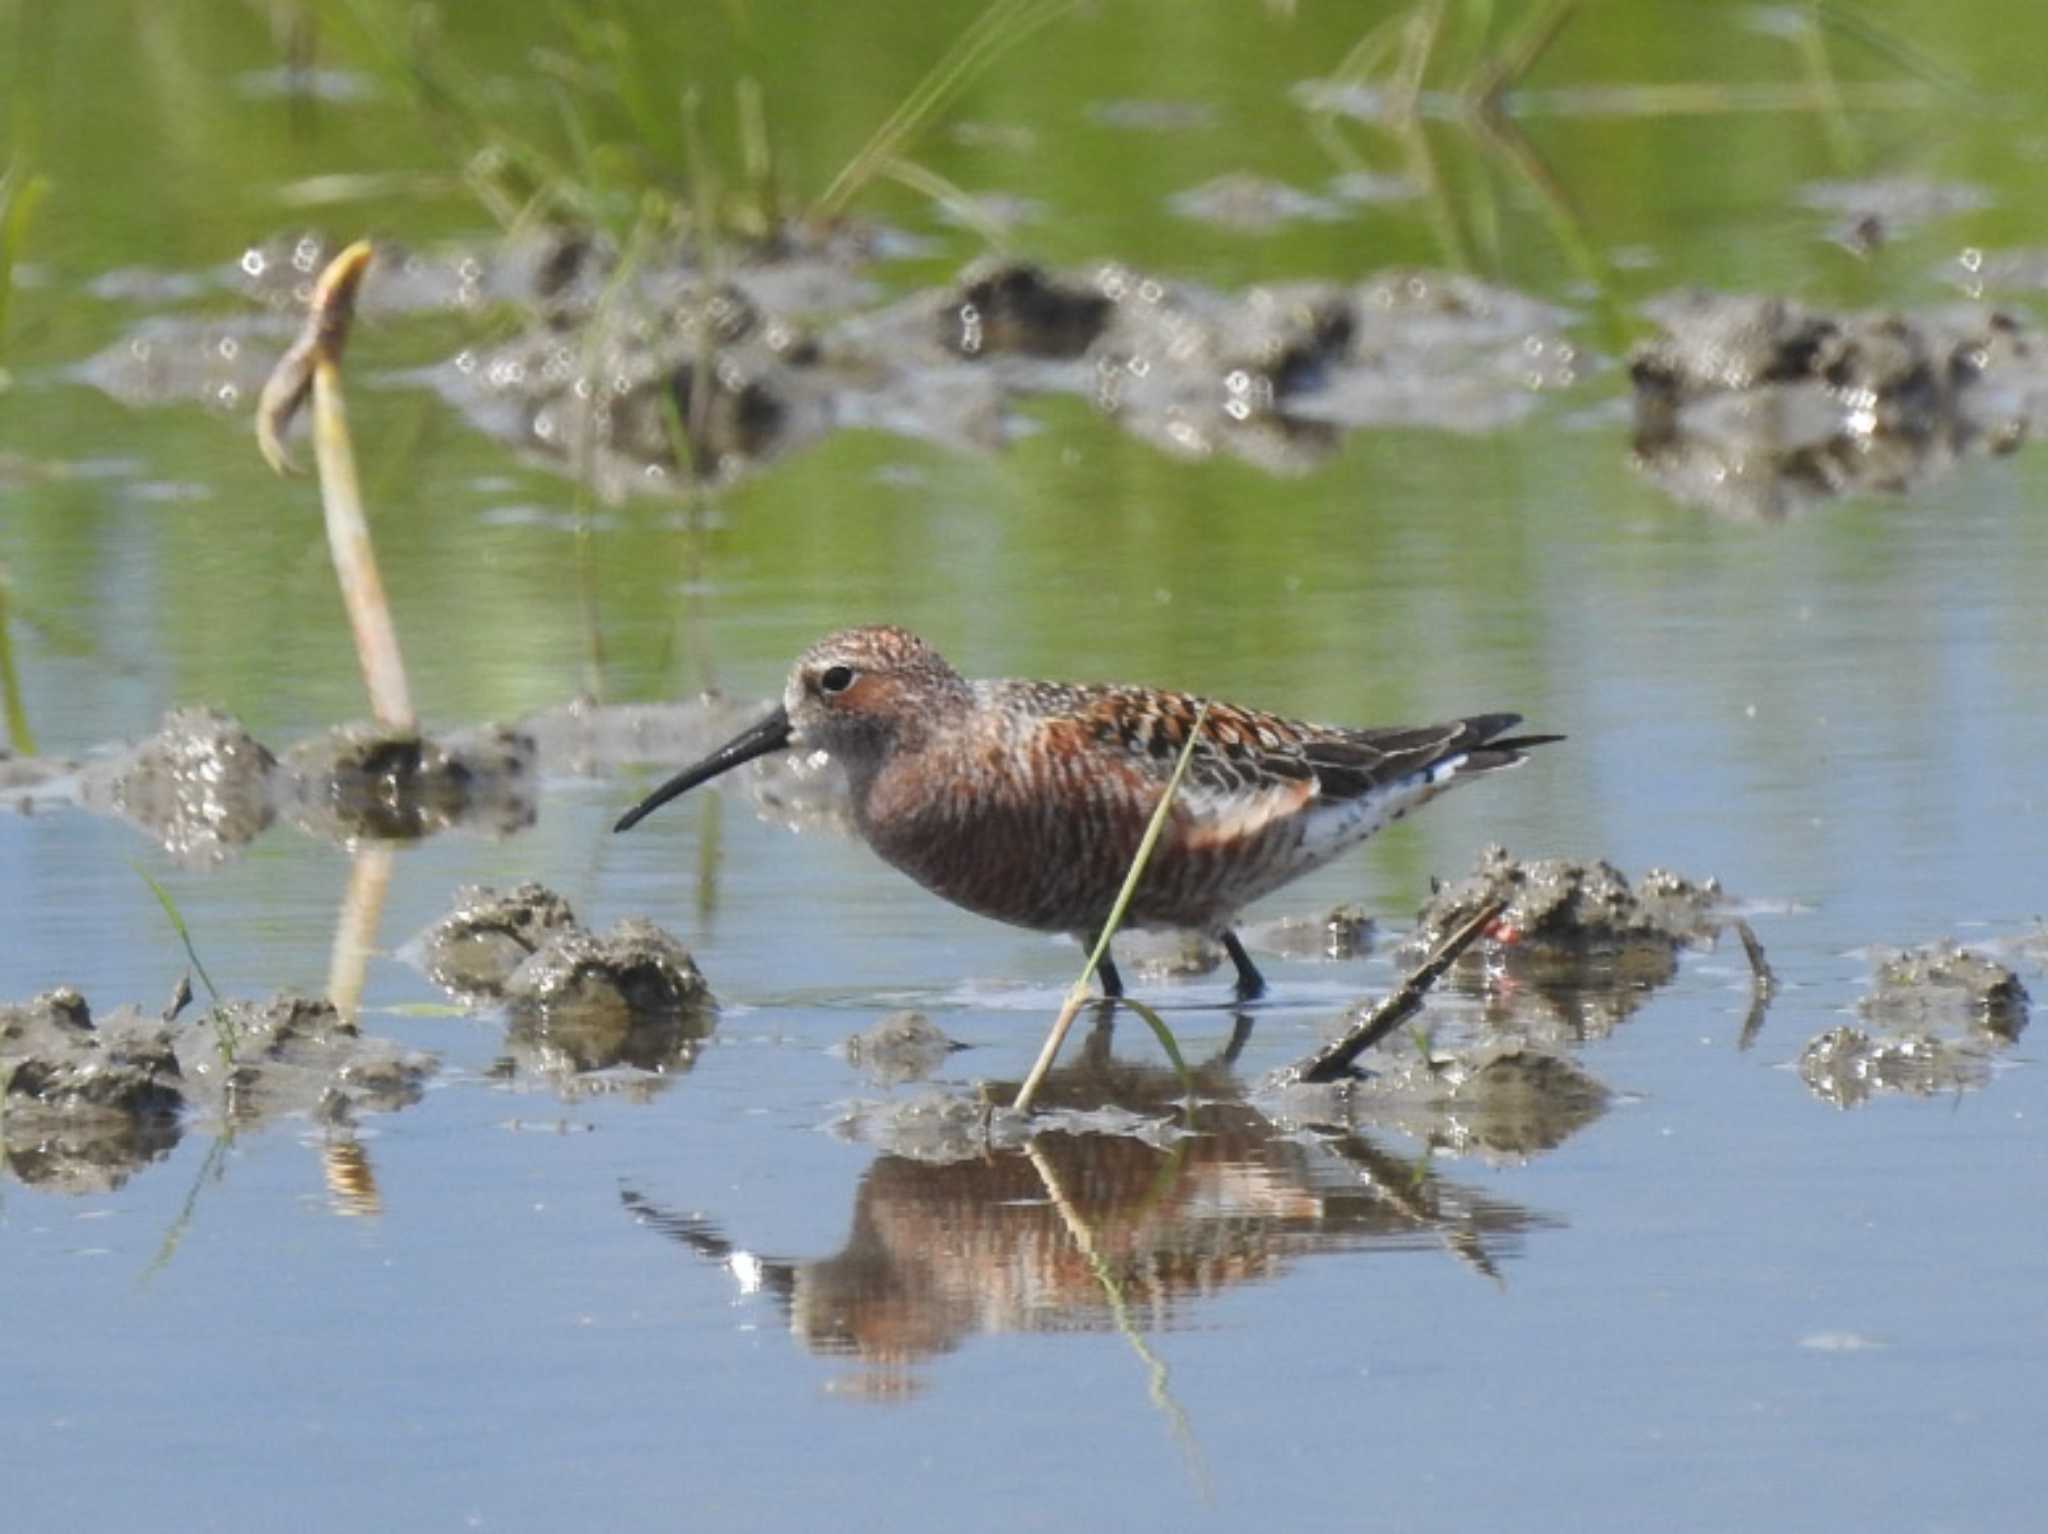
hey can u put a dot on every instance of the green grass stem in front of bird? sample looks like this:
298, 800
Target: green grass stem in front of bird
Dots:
1078, 996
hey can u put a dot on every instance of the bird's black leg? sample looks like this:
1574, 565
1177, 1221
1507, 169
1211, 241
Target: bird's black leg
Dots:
1250, 983
1105, 971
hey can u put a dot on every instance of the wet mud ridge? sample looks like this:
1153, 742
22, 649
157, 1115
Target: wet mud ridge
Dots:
1273, 375
1751, 406
84, 1103
203, 788
662, 375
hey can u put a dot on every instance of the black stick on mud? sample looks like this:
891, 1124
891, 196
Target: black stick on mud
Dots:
1334, 1059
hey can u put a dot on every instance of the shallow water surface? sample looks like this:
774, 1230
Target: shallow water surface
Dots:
1666, 1269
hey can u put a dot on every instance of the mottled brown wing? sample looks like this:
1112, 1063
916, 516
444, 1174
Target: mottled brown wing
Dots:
1247, 755
1350, 764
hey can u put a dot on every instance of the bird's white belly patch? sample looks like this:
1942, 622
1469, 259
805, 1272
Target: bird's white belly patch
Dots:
1329, 828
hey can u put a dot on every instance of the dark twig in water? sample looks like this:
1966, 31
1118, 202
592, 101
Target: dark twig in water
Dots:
1763, 984
1334, 1059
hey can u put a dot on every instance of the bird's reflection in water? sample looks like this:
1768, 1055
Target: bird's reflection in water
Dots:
1128, 1205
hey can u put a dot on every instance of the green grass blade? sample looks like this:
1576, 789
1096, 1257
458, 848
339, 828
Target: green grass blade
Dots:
1144, 853
1079, 993
20, 194
998, 29
163, 897
16, 736
1167, 1042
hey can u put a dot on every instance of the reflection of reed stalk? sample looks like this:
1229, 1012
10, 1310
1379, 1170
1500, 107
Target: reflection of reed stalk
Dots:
1078, 996
1156, 1385
355, 934
313, 367
351, 1180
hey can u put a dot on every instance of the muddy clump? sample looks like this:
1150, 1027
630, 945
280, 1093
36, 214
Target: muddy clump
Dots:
1277, 375
685, 379
1757, 407
473, 950
671, 377
1585, 946
202, 787
1343, 932
1560, 911
85, 1103
1849, 1066
1501, 1100
577, 1004
1937, 1018
365, 782
1018, 310
670, 374
250, 1062
583, 1004
902, 1047
1942, 984
1167, 955
636, 966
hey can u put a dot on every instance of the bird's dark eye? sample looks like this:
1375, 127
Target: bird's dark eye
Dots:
835, 679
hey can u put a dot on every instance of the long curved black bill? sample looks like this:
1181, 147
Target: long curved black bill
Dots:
771, 734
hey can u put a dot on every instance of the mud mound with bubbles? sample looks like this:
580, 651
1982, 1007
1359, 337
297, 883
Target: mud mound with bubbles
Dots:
1935, 1021
86, 1103
578, 1003
90, 1101
1587, 944
1756, 407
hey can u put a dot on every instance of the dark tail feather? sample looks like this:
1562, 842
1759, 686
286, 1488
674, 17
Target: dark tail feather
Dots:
1506, 751
1523, 742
